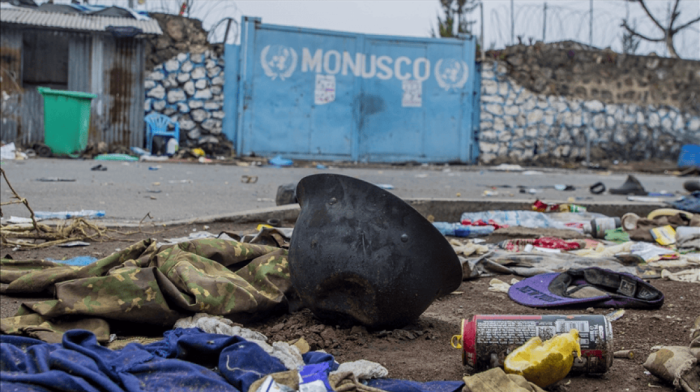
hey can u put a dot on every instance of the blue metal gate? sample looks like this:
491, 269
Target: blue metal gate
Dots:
316, 94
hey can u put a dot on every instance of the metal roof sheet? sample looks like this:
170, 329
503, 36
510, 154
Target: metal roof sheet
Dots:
75, 22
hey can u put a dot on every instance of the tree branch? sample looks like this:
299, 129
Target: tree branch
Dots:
674, 31
644, 6
631, 31
674, 15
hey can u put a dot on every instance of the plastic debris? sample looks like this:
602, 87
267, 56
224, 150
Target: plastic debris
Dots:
69, 214
73, 244
363, 369
384, 186
544, 363
7, 152
279, 161
55, 179
79, 261
460, 230
321, 167
116, 157
616, 315
626, 354
665, 235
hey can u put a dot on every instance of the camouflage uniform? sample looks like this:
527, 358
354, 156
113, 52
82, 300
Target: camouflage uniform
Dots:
146, 285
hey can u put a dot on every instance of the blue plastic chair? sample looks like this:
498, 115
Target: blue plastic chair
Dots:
157, 125
690, 156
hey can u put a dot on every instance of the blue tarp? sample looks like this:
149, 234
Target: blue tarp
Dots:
181, 361
689, 203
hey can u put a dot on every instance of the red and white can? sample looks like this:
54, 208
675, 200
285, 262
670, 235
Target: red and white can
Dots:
487, 339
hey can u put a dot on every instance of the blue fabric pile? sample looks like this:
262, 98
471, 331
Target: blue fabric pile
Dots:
183, 360
689, 203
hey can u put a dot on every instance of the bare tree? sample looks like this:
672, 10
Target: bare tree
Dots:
668, 31
456, 12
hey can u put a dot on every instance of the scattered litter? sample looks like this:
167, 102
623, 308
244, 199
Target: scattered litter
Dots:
626, 354
16, 220
249, 179
73, 244
116, 157
500, 286
139, 151
204, 160
154, 167
153, 158
90, 214
616, 315
384, 186
421, 175
153, 190
650, 252
645, 199
99, 168
156, 184
507, 167
561, 187
460, 230
279, 161
198, 152
688, 276
55, 179
321, 167
490, 193
597, 188
664, 235
79, 261
631, 186
7, 152
180, 181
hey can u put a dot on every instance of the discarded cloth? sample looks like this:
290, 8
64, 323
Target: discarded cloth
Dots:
392, 385
644, 226
689, 276
519, 245
363, 369
514, 218
496, 380
499, 286
594, 287
531, 264
679, 365
149, 286
469, 248
79, 261
688, 203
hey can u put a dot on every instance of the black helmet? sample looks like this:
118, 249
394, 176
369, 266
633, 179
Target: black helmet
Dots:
359, 254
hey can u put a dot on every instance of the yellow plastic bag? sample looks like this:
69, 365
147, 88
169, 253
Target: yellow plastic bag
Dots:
664, 235
544, 363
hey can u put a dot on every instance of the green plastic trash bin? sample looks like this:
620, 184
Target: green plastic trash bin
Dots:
66, 120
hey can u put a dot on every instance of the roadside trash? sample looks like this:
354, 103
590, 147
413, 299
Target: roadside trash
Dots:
506, 167
344, 267
153, 168
16, 220
597, 188
204, 160
686, 232
197, 152
678, 365
249, 179
661, 194
614, 316
618, 235
669, 212
532, 173
286, 194
7, 152
55, 179
496, 380
561, 187
688, 203
172, 146
460, 230
631, 186
517, 218
500, 286
593, 286
139, 151
79, 261
527, 245
600, 225
384, 186
691, 186
625, 354
486, 340
321, 167
99, 168
544, 363
116, 157
490, 193
279, 161
650, 252
689, 156
179, 182
629, 221
645, 199
688, 276
665, 235
73, 244
90, 214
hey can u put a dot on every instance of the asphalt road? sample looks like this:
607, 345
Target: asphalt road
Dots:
187, 190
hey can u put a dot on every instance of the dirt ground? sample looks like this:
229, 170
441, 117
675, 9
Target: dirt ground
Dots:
421, 351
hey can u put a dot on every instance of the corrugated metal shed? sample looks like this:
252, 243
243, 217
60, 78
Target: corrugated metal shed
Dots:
74, 22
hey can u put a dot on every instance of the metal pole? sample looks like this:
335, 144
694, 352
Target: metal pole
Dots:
544, 22
512, 24
590, 26
228, 27
483, 49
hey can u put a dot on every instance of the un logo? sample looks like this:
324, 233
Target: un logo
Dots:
278, 61
451, 73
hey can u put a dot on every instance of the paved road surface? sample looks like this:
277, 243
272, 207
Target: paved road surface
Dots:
194, 190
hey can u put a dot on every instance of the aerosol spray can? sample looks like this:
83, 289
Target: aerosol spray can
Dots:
486, 340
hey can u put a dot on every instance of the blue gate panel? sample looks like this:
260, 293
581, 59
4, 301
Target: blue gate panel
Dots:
313, 94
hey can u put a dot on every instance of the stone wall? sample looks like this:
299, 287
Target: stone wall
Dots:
546, 102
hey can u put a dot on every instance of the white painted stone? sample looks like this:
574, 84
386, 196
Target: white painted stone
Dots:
678, 124
182, 57
542, 103
203, 94
176, 95
667, 123
535, 116
594, 106
488, 147
489, 87
568, 118
213, 126
211, 105
501, 69
186, 124
209, 64
218, 97
505, 137
486, 158
169, 111
157, 76
530, 104
611, 108
199, 115
221, 62
640, 118
620, 137
484, 125
512, 110
499, 124
201, 84
147, 105
599, 121
510, 121
182, 107
207, 54
216, 90
630, 119
149, 84
186, 67
183, 77
654, 120
487, 74
662, 113
492, 99
212, 72
531, 131
632, 108
549, 118
564, 136
495, 109
159, 105
199, 73
194, 134
515, 155
218, 81
189, 88
610, 121
197, 58
196, 104
484, 116
560, 106
172, 65
487, 135
158, 67
523, 96
518, 133
157, 92
694, 124
220, 114
503, 88
510, 101
521, 120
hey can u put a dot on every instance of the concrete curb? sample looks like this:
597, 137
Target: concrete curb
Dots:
442, 210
